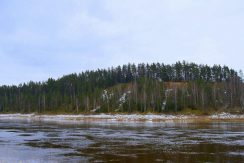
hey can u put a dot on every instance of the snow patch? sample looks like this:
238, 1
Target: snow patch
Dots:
116, 117
227, 116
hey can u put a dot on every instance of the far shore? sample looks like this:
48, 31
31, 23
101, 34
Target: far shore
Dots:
124, 117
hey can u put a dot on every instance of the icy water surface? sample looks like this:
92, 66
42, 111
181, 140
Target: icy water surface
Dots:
27, 141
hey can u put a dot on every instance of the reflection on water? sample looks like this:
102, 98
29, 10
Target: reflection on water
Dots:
121, 142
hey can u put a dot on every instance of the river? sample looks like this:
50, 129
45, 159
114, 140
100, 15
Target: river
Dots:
36, 141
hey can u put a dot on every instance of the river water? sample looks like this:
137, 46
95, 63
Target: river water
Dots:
33, 141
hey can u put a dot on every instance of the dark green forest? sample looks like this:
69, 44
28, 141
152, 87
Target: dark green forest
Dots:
155, 87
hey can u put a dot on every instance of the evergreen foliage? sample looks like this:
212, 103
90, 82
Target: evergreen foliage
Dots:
155, 87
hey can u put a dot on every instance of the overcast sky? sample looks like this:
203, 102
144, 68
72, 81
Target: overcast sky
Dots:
49, 38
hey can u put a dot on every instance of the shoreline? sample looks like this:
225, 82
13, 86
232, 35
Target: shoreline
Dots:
124, 117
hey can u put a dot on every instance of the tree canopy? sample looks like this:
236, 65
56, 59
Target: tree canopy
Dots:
129, 88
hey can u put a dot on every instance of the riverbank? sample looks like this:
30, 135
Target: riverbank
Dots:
123, 117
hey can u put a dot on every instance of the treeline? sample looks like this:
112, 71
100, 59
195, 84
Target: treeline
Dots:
130, 88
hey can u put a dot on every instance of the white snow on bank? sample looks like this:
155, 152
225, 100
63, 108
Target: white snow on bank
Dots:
227, 116
116, 117
109, 117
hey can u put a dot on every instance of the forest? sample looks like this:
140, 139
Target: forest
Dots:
130, 88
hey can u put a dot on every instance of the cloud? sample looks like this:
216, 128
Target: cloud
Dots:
51, 38
14, 73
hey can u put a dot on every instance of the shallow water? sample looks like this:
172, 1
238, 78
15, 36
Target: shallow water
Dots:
32, 141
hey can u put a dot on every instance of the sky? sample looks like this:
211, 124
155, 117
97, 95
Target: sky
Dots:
40, 39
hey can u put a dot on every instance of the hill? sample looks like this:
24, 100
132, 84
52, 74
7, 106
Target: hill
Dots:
129, 88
